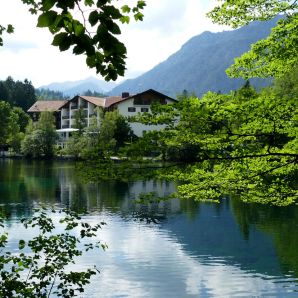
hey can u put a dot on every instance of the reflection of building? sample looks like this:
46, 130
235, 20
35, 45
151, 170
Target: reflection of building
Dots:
127, 105
115, 196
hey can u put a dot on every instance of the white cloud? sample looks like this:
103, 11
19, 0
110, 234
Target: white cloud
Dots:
166, 27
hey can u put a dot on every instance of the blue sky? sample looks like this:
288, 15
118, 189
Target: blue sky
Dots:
167, 26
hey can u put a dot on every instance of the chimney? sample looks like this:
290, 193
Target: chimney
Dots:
125, 94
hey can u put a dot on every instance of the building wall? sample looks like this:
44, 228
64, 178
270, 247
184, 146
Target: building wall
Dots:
68, 112
125, 108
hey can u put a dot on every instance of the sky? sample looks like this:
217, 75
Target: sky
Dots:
166, 27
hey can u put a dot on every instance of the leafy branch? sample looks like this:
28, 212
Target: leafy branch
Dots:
43, 269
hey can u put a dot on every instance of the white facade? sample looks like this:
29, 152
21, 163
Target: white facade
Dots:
128, 108
68, 112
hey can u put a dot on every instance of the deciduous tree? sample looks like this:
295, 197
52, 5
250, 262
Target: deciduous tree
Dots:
40, 137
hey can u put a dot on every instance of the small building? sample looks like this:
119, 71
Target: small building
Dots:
127, 105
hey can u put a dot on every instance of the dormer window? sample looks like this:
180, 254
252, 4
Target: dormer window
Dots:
144, 110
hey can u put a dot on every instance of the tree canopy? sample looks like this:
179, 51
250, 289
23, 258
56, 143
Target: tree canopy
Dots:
242, 144
13, 121
17, 93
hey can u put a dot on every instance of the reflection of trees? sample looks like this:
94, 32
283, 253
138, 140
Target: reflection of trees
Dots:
43, 182
23, 183
278, 222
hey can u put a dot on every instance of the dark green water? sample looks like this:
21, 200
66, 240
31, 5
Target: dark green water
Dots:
189, 249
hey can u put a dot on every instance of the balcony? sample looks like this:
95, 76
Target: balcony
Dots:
74, 107
65, 116
65, 126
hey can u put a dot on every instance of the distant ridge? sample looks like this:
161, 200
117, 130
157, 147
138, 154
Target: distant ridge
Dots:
72, 88
199, 66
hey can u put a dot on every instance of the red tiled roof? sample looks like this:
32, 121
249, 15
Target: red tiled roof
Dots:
103, 101
98, 101
113, 100
47, 105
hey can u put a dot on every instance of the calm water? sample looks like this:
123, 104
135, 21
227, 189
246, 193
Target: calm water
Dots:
185, 249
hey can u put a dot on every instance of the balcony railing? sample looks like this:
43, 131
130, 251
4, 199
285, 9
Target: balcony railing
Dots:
65, 116
73, 107
65, 126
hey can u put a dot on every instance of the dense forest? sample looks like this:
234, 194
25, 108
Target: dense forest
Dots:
17, 93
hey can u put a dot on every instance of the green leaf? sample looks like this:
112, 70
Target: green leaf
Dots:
22, 244
77, 50
125, 19
48, 4
10, 29
115, 29
125, 9
58, 38
91, 61
47, 19
113, 12
79, 29
89, 2
141, 4
93, 17
139, 16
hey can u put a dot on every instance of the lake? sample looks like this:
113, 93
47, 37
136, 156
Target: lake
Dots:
171, 249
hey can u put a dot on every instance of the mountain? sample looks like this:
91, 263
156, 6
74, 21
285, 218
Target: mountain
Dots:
199, 66
72, 88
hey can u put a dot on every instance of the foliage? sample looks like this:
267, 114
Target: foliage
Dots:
243, 143
91, 32
80, 121
16, 136
12, 121
5, 111
47, 94
273, 56
9, 29
41, 267
40, 137
23, 118
17, 93
101, 138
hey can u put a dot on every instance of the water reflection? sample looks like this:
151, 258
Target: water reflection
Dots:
205, 250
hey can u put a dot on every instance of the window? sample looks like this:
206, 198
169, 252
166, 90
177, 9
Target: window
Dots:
144, 110
131, 109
